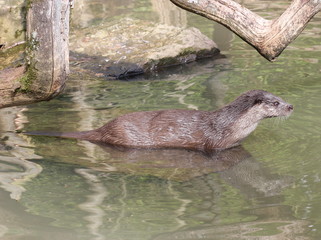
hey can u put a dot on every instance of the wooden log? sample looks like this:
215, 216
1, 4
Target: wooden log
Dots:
47, 56
268, 37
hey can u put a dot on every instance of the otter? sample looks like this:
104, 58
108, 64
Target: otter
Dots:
189, 129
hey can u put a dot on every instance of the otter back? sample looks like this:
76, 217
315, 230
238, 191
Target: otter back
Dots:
190, 129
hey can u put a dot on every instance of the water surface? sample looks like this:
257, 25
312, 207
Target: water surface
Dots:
268, 188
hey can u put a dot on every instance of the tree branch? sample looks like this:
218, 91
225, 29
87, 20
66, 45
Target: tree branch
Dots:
268, 37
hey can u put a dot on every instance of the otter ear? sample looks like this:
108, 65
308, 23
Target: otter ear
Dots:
258, 101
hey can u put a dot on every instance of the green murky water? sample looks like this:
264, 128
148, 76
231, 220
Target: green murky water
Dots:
268, 189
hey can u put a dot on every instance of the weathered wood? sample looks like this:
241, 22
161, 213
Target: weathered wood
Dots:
47, 56
46, 34
269, 37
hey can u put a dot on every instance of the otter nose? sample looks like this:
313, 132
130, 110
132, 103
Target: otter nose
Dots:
290, 107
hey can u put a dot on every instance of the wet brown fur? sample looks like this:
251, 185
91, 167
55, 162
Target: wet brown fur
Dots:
190, 129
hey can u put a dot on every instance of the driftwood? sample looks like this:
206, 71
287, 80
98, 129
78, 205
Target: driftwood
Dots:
44, 74
268, 37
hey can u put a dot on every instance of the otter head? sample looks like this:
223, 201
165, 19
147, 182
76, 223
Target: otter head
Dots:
269, 105
242, 116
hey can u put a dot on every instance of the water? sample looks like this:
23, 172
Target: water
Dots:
267, 189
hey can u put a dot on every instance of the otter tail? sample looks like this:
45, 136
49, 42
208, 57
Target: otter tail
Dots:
77, 135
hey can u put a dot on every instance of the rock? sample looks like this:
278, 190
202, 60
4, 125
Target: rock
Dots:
130, 47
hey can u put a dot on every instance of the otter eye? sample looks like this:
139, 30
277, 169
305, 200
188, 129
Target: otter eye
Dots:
258, 101
276, 103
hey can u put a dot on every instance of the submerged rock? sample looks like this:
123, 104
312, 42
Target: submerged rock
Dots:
131, 47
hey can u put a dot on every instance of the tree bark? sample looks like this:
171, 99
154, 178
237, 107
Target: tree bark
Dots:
268, 37
47, 56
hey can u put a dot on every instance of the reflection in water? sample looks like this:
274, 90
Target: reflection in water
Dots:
15, 171
149, 192
93, 203
14, 168
16, 223
84, 191
234, 166
172, 164
244, 231
184, 193
170, 14
253, 180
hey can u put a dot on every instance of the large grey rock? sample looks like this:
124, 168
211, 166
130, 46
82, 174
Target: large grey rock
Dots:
131, 47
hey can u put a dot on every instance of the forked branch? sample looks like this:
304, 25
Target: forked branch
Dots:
268, 37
